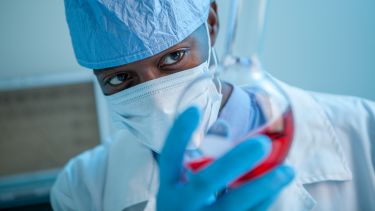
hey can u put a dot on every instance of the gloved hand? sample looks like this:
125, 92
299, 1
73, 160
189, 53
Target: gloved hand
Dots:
193, 195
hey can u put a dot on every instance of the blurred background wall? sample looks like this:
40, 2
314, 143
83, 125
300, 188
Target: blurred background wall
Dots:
323, 45
318, 45
34, 39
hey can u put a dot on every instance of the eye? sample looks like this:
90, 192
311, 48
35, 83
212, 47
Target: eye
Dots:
173, 58
118, 79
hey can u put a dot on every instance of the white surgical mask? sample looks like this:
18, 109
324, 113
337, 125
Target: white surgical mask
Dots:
148, 110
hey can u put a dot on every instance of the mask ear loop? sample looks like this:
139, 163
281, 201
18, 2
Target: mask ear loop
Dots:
214, 69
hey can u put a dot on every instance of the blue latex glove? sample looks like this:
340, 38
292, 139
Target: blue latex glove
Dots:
257, 194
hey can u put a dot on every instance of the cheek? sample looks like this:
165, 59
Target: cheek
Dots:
196, 58
200, 52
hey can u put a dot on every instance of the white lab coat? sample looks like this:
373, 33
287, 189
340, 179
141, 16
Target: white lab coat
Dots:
333, 154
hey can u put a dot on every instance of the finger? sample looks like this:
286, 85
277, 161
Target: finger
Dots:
170, 160
232, 165
256, 192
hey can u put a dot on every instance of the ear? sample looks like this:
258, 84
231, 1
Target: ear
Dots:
213, 23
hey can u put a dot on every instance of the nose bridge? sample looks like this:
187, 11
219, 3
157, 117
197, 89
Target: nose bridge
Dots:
148, 73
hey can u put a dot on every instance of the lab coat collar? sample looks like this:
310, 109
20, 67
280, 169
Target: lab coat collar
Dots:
132, 173
316, 154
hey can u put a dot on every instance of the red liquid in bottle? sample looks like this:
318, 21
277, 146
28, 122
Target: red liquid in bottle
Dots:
280, 131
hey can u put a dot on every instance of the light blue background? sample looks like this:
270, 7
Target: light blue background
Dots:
321, 45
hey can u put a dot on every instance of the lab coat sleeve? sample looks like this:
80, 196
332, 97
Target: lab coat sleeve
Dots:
367, 130
61, 194
370, 108
80, 185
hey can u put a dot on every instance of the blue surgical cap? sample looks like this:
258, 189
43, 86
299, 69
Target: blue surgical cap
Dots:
109, 33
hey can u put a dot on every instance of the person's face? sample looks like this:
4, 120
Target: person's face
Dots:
187, 54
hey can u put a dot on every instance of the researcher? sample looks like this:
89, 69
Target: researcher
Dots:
144, 53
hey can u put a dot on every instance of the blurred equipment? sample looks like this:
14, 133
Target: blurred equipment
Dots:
269, 107
44, 122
